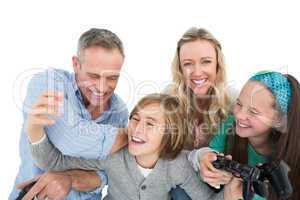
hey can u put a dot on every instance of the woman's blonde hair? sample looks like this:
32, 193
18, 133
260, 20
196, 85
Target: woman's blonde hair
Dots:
218, 100
174, 130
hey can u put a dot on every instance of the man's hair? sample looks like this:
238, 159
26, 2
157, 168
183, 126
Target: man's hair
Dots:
101, 38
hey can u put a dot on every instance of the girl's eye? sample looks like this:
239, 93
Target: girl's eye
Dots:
238, 103
253, 112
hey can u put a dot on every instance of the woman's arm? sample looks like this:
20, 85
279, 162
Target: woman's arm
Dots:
47, 157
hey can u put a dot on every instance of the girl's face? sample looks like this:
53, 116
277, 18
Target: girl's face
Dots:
145, 131
198, 62
254, 111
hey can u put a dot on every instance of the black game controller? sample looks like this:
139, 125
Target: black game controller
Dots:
25, 190
256, 179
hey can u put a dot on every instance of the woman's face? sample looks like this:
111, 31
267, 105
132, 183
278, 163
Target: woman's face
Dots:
198, 62
254, 111
145, 131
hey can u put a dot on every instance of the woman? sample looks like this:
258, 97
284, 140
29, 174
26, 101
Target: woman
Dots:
199, 81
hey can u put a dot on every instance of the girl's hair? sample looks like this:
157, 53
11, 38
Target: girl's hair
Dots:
286, 143
217, 102
174, 130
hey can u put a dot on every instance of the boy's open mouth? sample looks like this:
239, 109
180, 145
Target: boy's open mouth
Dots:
137, 140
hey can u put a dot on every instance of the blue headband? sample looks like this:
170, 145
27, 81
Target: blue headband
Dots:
278, 84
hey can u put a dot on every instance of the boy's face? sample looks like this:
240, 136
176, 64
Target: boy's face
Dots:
254, 111
145, 131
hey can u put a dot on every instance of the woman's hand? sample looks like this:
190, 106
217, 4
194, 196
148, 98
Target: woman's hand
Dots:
46, 105
234, 189
210, 174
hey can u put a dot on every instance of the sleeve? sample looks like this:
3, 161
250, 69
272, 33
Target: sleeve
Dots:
218, 142
195, 155
47, 158
77, 136
183, 175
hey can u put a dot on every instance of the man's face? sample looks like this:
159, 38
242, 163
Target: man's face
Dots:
97, 73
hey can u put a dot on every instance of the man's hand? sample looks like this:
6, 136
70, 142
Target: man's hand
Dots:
47, 104
54, 185
121, 140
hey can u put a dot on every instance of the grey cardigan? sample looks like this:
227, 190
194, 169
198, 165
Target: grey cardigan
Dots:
125, 181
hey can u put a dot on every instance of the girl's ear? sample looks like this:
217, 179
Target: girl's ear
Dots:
280, 122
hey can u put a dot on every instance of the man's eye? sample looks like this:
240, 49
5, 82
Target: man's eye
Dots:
187, 64
135, 118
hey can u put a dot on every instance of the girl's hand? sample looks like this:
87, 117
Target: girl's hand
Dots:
37, 117
210, 174
234, 189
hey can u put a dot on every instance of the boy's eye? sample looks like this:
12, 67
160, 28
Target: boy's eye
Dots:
149, 124
135, 118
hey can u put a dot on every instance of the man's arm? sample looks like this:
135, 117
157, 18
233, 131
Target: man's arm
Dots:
57, 185
81, 137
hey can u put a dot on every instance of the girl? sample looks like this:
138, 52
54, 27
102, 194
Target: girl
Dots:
150, 165
264, 126
199, 81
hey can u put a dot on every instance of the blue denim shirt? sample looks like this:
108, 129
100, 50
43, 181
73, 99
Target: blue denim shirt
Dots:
74, 133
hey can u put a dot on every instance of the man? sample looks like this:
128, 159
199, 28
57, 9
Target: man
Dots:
91, 121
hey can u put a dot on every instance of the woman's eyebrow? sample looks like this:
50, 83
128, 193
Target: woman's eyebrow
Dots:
206, 57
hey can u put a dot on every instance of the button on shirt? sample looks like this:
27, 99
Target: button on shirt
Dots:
74, 133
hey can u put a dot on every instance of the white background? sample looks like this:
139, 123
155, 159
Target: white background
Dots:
255, 35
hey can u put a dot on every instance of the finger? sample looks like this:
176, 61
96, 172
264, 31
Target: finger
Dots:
25, 183
50, 93
42, 121
228, 157
43, 194
44, 111
47, 101
35, 190
210, 174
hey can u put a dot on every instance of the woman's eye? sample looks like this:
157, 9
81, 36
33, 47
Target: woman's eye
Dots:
238, 103
206, 61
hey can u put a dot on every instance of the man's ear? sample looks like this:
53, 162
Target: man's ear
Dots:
76, 64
